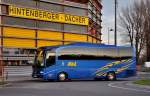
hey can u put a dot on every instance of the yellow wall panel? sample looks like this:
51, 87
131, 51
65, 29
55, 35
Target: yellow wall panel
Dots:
98, 41
48, 43
11, 42
67, 43
90, 39
75, 37
94, 40
50, 35
18, 32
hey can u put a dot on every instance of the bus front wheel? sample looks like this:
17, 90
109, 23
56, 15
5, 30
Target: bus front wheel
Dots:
111, 76
62, 76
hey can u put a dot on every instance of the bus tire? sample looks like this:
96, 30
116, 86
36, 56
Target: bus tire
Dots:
111, 76
62, 76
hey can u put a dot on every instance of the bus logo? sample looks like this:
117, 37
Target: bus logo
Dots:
72, 64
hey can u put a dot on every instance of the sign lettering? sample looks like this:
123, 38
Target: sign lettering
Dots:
47, 16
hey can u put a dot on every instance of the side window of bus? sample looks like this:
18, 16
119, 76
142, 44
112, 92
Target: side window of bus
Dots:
50, 59
78, 53
125, 53
108, 53
86, 53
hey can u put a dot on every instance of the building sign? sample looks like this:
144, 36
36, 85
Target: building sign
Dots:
47, 16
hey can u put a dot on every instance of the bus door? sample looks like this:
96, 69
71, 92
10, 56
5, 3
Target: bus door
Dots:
84, 68
72, 68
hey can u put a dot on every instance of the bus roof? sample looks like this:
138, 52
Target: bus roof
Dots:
81, 44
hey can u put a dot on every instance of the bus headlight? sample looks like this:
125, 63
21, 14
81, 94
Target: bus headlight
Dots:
50, 75
41, 72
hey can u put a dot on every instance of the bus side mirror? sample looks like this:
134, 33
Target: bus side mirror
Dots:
30, 62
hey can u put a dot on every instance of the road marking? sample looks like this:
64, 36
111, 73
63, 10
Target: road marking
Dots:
114, 85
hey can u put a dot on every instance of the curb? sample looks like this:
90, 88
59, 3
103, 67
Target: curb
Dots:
130, 86
138, 85
5, 85
141, 73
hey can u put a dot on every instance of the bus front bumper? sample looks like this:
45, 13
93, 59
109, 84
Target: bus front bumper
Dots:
37, 76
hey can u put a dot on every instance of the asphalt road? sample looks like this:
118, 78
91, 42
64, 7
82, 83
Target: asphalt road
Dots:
24, 85
30, 87
17, 70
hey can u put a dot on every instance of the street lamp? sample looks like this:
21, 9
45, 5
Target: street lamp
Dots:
115, 29
109, 30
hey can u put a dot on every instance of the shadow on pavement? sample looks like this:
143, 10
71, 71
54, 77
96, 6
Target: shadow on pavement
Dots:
54, 81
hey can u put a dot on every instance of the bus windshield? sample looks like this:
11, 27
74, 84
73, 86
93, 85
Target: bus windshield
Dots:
45, 58
50, 58
40, 58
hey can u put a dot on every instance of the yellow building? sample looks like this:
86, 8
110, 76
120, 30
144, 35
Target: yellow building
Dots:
28, 24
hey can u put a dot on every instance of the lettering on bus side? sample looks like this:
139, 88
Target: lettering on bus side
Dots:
72, 64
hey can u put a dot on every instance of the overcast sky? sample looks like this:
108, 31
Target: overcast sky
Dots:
108, 18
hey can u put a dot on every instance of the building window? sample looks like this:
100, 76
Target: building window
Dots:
18, 21
75, 11
94, 10
94, 18
5, 52
51, 7
50, 25
6, 1
90, 14
75, 28
90, 6
57, 1
16, 52
98, 15
27, 3
99, 22
4, 9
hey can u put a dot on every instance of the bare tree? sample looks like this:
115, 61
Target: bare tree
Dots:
135, 20
127, 24
147, 28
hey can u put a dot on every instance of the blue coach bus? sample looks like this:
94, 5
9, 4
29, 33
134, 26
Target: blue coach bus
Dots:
84, 61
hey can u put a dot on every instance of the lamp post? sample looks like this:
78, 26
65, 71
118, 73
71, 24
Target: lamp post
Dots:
109, 30
115, 29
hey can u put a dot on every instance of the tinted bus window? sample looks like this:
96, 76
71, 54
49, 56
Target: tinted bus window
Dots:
125, 52
39, 59
50, 58
95, 53
78, 57
108, 53
88, 53
78, 53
